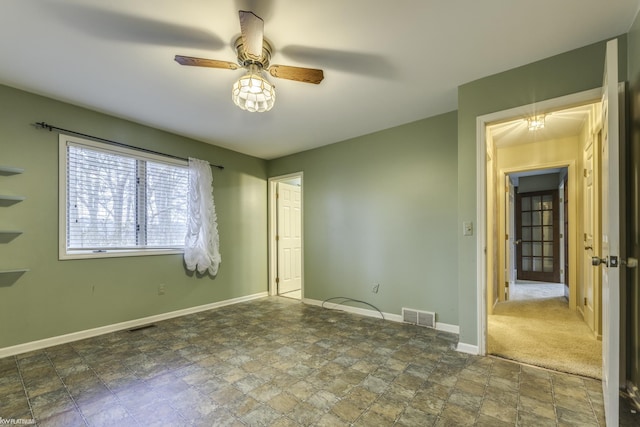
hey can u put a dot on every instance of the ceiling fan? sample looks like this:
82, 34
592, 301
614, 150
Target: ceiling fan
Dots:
252, 92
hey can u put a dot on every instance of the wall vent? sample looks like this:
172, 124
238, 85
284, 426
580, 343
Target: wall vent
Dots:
420, 318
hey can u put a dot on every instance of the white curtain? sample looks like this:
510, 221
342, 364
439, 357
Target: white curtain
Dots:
202, 244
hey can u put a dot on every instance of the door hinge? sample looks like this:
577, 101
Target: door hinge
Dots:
585, 173
585, 300
506, 237
277, 238
277, 280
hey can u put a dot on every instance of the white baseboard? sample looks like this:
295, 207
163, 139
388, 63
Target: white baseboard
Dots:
75, 336
445, 327
468, 348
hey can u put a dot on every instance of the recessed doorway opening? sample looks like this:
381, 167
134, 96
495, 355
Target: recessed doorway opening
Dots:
535, 198
537, 229
285, 236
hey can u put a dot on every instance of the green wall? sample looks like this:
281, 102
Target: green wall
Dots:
355, 191
59, 297
381, 208
561, 75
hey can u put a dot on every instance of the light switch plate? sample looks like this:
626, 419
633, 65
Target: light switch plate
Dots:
467, 228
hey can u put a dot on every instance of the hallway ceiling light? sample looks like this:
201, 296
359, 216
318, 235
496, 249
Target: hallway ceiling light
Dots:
535, 122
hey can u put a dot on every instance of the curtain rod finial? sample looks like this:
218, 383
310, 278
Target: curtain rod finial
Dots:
43, 125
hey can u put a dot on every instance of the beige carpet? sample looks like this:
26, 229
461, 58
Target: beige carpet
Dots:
543, 332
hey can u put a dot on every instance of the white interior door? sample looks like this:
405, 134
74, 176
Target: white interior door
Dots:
587, 289
610, 249
289, 238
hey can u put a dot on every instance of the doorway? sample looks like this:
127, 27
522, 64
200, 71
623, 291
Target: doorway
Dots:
537, 219
285, 236
531, 239
611, 118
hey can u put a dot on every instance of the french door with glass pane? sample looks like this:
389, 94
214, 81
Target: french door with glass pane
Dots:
537, 235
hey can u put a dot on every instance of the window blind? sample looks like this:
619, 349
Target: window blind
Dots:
117, 199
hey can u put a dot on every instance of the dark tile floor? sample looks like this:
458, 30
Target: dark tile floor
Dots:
277, 362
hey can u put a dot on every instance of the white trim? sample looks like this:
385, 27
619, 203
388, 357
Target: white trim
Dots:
444, 327
572, 179
481, 124
481, 240
62, 196
272, 225
88, 333
468, 348
65, 141
115, 253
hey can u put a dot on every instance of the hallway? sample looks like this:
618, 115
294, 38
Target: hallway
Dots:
536, 327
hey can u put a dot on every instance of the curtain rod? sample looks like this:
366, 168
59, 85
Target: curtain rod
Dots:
43, 125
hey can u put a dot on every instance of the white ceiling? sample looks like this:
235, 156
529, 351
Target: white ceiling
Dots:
386, 63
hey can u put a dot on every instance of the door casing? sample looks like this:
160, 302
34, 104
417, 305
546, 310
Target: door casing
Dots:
481, 191
272, 220
504, 173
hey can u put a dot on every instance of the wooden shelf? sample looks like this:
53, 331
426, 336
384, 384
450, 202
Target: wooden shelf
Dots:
8, 235
9, 170
10, 200
9, 277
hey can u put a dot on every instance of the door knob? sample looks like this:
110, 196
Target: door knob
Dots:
630, 262
517, 242
611, 261
597, 261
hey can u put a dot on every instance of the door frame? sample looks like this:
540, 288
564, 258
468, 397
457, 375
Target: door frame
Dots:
503, 177
272, 225
587, 96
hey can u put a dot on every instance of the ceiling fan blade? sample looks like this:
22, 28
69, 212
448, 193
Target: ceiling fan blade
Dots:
262, 8
299, 74
252, 29
202, 62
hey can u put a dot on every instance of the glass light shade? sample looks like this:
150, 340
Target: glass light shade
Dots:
535, 122
253, 93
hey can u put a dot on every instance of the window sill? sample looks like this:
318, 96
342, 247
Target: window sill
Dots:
116, 253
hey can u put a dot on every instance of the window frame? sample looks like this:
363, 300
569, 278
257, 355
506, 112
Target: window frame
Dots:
63, 253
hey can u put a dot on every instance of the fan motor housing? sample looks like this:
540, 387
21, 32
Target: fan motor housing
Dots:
244, 60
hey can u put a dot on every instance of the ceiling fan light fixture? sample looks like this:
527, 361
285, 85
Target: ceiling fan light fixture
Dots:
252, 92
535, 122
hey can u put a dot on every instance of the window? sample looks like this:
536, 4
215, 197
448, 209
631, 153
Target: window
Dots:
116, 201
